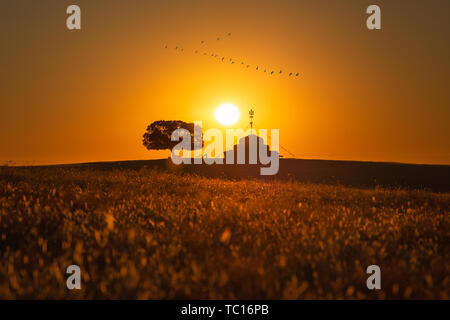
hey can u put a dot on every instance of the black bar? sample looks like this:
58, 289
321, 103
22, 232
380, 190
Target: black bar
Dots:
237, 309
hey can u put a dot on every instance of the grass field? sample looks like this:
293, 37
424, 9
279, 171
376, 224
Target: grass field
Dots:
150, 234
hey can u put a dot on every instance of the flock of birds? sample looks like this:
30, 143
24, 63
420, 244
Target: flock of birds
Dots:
221, 58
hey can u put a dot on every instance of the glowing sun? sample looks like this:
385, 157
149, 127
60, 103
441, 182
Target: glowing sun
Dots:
227, 114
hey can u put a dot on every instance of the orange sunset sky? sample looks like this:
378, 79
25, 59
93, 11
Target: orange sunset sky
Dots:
88, 95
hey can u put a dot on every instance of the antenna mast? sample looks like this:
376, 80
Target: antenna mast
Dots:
251, 113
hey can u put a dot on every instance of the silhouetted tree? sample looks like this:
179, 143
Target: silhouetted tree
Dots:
158, 134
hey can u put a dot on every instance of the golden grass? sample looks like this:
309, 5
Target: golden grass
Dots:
149, 235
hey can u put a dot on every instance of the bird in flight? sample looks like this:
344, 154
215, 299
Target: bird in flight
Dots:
215, 55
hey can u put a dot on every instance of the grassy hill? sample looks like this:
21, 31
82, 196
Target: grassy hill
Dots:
347, 173
144, 229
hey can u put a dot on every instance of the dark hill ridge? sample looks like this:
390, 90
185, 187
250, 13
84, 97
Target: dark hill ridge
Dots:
348, 173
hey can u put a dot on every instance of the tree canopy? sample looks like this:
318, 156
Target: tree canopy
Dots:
158, 134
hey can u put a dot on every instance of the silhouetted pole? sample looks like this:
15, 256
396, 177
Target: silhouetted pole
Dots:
251, 113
